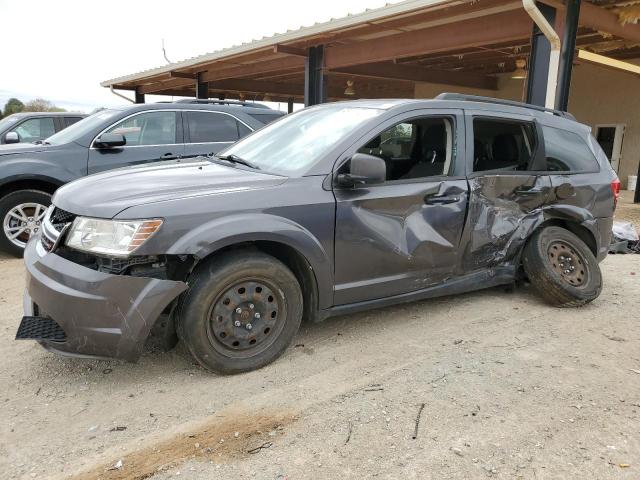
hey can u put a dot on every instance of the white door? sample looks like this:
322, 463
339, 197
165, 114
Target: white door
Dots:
610, 138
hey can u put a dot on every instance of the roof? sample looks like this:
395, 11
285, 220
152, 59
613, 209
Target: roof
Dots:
384, 52
369, 15
47, 114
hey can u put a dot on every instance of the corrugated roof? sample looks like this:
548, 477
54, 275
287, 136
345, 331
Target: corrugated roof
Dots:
369, 15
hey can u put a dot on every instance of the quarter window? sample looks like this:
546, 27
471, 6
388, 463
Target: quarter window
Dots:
150, 128
415, 149
567, 152
35, 129
503, 145
207, 127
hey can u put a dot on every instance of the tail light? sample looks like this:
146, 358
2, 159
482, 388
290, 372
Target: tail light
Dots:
615, 188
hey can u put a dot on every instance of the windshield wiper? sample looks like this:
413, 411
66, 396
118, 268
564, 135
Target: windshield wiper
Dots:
236, 159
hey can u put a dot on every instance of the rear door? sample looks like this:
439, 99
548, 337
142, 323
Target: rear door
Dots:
508, 185
403, 235
210, 132
151, 136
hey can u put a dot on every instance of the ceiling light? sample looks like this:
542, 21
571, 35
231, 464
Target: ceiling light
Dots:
520, 73
350, 90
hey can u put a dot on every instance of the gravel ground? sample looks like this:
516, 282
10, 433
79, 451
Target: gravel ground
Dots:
504, 387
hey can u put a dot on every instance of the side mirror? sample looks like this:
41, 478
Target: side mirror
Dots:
365, 170
12, 137
110, 140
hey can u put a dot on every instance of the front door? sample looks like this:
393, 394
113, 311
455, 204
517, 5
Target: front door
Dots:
151, 136
508, 184
403, 235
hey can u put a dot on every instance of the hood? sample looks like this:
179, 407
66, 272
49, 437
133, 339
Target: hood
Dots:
106, 194
22, 148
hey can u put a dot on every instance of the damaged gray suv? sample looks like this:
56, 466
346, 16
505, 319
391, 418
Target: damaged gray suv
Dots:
337, 208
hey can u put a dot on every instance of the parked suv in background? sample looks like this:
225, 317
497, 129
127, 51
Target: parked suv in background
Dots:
112, 138
30, 127
319, 215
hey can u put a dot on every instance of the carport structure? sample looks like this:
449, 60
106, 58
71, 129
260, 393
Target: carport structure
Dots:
385, 51
418, 48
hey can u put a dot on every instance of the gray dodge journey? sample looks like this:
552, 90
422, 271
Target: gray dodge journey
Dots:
334, 209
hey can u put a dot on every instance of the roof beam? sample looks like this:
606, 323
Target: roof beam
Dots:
607, 21
176, 83
421, 74
287, 50
278, 65
510, 25
192, 76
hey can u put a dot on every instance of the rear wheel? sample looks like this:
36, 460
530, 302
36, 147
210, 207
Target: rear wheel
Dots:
240, 312
22, 214
562, 268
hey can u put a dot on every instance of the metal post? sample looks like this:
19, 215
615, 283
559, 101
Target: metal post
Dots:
566, 54
139, 97
315, 85
636, 195
290, 105
202, 88
539, 60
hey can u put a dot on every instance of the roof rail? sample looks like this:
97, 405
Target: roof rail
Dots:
221, 102
498, 101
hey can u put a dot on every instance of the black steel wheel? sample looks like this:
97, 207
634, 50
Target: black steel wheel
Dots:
562, 268
240, 312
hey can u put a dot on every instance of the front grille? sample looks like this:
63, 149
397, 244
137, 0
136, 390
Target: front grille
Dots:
40, 328
117, 266
46, 243
59, 218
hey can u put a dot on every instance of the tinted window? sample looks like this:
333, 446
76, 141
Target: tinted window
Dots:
415, 149
207, 127
151, 128
243, 130
567, 152
265, 118
35, 129
503, 145
71, 120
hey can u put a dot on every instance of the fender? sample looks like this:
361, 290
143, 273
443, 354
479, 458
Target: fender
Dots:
573, 214
247, 227
21, 168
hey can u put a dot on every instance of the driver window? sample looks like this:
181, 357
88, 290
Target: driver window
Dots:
151, 128
414, 149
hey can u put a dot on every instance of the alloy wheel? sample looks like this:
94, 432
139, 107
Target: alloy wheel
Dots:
22, 221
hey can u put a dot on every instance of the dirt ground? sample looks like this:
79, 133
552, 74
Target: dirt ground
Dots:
504, 387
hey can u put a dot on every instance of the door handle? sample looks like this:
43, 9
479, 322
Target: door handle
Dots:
441, 199
528, 191
168, 156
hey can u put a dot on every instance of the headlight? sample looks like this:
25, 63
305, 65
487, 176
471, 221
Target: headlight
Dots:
110, 237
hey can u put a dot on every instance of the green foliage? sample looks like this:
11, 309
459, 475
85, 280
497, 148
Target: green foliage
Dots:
12, 106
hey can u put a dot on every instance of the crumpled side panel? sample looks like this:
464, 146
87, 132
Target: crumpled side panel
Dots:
503, 211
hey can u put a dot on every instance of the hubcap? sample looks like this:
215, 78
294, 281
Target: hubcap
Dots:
22, 221
568, 263
245, 318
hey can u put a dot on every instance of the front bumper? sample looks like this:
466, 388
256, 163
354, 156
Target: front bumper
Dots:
102, 315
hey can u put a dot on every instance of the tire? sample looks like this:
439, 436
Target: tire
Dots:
240, 313
32, 202
562, 268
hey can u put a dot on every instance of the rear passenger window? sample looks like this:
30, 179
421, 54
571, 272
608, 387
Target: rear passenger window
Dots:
68, 121
207, 127
503, 145
567, 152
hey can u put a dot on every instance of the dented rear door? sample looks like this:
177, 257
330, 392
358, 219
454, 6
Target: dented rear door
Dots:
505, 204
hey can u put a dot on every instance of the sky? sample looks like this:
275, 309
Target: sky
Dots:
61, 50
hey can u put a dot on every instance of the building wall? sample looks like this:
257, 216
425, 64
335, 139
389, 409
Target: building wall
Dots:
598, 96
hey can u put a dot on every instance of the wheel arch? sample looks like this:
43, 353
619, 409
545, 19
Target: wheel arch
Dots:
29, 182
577, 228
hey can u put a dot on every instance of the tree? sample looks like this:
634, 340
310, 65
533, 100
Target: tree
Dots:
41, 105
12, 106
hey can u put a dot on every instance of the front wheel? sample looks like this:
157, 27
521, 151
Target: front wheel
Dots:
22, 213
240, 312
562, 268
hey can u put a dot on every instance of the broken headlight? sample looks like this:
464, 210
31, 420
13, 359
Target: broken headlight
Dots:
117, 238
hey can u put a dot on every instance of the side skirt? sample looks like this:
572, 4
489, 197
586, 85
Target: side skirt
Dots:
466, 283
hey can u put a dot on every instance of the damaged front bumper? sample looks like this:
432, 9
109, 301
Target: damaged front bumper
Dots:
102, 315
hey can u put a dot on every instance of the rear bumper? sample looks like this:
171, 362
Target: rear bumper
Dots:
603, 228
102, 315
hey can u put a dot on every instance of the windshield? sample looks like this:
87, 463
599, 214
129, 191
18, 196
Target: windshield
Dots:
6, 121
293, 144
81, 128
